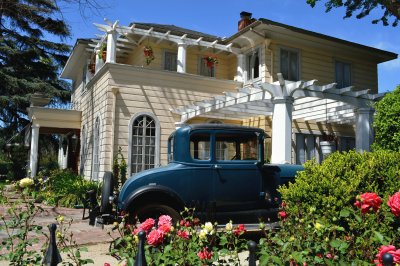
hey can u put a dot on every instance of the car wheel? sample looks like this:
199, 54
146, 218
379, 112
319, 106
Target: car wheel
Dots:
106, 192
154, 211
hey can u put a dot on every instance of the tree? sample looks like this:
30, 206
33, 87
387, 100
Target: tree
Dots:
387, 122
28, 62
391, 9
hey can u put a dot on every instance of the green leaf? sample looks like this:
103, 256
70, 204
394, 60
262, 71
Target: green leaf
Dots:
344, 213
379, 236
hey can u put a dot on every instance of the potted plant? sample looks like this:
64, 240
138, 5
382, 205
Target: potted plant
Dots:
148, 54
103, 52
328, 144
211, 61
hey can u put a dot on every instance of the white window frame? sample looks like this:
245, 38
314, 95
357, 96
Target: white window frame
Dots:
157, 139
250, 67
336, 62
290, 50
96, 150
165, 57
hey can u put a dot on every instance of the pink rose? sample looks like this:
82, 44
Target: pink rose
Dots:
155, 238
382, 250
164, 219
239, 230
205, 254
183, 234
147, 225
394, 204
368, 201
164, 229
106, 264
282, 215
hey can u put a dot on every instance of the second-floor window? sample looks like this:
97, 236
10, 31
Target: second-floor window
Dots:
170, 61
206, 70
253, 64
289, 61
342, 74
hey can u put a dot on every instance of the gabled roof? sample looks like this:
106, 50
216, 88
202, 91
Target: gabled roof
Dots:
175, 30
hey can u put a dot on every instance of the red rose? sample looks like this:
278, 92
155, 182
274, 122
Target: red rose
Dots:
196, 221
282, 215
368, 201
106, 264
205, 254
182, 222
183, 234
240, 229
394, 204
147, 225
382, 250
164, 219
396, 256
155, 238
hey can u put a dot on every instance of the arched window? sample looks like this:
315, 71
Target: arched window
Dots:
96, 150
144, 142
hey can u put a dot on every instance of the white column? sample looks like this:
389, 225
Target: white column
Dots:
240, 67
111, 46
181, 67
98, 62
282, 130
364, 129
33, 160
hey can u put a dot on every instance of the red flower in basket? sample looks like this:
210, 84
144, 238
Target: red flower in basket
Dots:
211, 61
148, 54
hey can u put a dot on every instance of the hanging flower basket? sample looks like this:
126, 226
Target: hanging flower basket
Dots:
211, 61
92, 68
103, 52
148, 54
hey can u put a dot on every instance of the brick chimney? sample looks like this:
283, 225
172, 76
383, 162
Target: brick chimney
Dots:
245, 20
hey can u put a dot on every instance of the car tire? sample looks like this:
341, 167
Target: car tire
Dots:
106, 192
154, 211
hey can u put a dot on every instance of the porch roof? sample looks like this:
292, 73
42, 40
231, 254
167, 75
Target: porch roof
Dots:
55, 121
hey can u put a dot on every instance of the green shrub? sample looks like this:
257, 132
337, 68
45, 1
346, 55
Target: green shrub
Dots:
320, 223
387, 122
64, 188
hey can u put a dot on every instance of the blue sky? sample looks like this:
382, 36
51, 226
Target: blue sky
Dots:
220, 17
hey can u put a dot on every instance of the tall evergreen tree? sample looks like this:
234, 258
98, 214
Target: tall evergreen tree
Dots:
390, 8
28, 62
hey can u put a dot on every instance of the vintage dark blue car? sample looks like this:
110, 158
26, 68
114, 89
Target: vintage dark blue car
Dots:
217, 169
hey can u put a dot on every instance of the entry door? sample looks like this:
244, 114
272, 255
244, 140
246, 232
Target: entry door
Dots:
237, 177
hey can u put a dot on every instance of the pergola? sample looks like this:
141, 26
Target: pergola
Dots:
287, 100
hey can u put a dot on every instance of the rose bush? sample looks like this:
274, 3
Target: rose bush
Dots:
321, 225
188, 242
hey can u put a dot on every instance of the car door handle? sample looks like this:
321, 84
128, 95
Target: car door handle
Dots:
216, 166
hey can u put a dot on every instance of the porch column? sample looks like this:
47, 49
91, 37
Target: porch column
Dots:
364, 129
33, 158
282, 130
240, 67
98, 62
181, 67
111, 46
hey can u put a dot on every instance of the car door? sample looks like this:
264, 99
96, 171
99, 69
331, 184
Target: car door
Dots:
237, 176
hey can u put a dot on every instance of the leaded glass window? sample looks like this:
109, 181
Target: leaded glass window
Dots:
143, 150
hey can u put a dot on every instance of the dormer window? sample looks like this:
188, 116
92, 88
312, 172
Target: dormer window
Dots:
253, 64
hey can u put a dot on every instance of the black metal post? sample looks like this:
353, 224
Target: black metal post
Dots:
252, 252
52, 256
387, 259
140, 256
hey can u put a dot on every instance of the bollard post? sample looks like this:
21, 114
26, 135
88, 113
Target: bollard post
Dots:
52, 256
140, 256
387, 259
252, 252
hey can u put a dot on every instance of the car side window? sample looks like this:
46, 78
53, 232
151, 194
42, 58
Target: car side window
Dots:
200, 146
233, 147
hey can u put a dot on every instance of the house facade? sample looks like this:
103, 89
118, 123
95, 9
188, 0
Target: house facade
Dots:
136, 84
